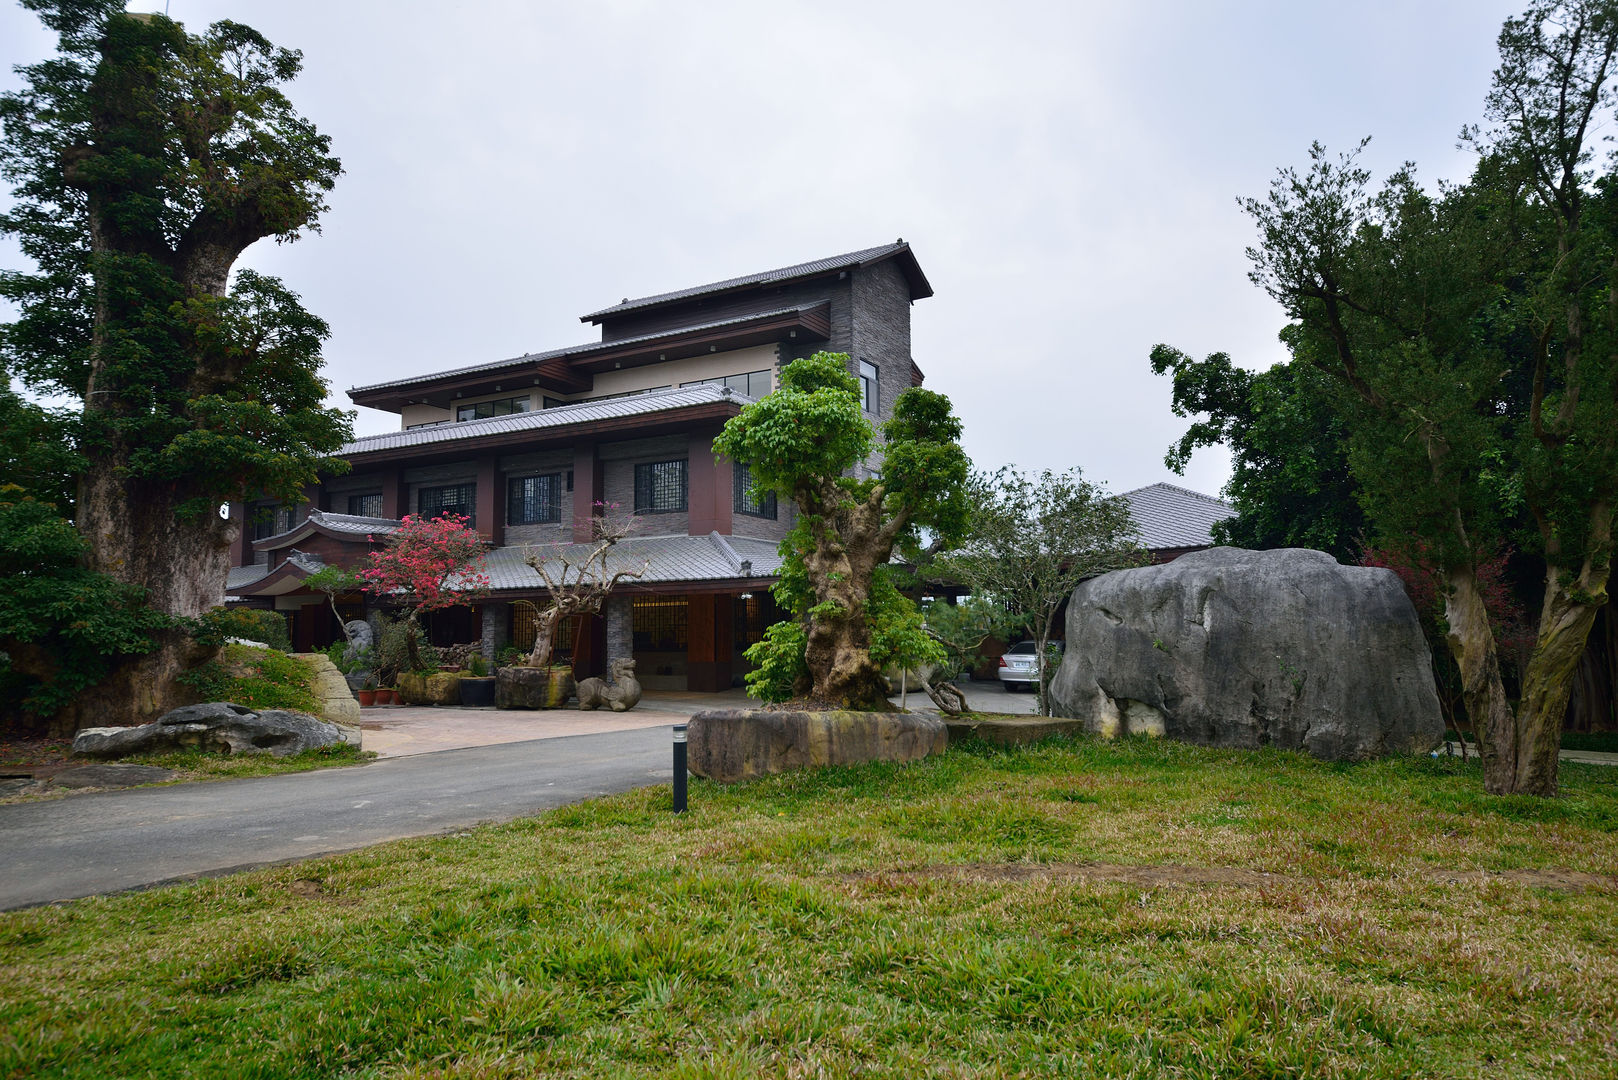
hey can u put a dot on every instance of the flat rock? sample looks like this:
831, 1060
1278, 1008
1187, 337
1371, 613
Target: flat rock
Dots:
1228, 647
216, 727
110, 776
741, 744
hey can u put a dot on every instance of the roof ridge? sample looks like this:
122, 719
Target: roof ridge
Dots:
1182, 490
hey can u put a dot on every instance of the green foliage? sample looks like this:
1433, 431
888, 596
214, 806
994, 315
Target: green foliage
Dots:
1287, 432
256, 678
393, 650
779, 671
962, 628
252, 624
899, 638
62, 627
477, 665
145, 159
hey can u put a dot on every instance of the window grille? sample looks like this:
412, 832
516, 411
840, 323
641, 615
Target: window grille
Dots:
755, 384
534, 500
525, 627
369, 505
659, 623
747, 499
870, 398
264, 520
660, 487
754, 615
435, 502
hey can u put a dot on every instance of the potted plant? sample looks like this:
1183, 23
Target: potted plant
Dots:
367, 693
477, 685
384, 695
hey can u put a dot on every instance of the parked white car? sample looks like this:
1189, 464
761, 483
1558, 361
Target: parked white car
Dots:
1019, 667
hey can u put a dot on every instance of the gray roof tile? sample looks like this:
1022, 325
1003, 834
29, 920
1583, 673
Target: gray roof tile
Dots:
583, 413
765, 277
670, 559
1175, 517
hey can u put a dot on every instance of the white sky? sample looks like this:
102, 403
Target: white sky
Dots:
1067, 175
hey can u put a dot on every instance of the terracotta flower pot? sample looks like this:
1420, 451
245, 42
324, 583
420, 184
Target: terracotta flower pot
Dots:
367, 697
384, 695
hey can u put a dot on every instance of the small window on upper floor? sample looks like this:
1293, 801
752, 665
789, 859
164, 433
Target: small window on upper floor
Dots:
660, 487
459, 499
367, 505
755, 384
870, 397
534, 500
748, 499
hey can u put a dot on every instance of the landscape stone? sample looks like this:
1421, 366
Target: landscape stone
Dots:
110, 776
741, 744
521, 687
330, 689
215, 727
443, 688
1228, 647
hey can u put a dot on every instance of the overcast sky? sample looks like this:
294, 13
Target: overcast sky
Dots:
1066, 172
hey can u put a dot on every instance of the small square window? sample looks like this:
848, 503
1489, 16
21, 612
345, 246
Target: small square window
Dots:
460, 499
368, 505
660, 487
534, 500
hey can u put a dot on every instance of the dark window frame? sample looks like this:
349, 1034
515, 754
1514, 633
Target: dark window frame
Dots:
870, 387
741, 480
651, 490
358, 500
534, 508
498, 407
435, 494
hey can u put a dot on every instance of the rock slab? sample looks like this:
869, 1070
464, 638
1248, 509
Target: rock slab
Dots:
215, 727
1228, 647
331, 689
741, 744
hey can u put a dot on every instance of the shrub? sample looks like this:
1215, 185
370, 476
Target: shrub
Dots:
254, 624
256, 678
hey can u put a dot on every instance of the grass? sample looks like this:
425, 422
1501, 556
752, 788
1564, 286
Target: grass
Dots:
256, 678
1074, 909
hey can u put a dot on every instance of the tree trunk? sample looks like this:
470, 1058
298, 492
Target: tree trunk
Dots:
1471, 641
544, 637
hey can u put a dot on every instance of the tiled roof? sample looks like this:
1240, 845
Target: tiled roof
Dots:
530, 359
244, 575
582, 413
354, 523
1175, 517
767, 277
670, 559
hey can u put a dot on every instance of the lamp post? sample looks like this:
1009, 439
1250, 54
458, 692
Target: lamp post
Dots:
679, 768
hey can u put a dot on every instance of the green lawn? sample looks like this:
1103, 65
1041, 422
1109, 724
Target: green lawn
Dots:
1078, 909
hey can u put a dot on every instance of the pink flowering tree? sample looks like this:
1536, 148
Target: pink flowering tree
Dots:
428, 565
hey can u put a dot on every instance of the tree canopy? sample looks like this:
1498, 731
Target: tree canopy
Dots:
810, 441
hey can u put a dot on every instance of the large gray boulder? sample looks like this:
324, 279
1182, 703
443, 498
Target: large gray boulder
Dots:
216, 727
1228, 647
741, 744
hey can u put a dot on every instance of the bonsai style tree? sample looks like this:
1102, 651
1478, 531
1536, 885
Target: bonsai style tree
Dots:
806, 441
332, 581
576, 587
429, 564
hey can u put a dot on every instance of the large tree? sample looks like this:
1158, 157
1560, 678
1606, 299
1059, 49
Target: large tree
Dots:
805, 441
1033, 539
1474, 331
145, 160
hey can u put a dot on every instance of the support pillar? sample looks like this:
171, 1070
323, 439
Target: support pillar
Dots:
709, 643
620, 620
710, 499
495, 631
491, 510
587, 491
395, 494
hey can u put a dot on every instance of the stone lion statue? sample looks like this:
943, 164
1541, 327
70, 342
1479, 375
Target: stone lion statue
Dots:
361, 639
621, 695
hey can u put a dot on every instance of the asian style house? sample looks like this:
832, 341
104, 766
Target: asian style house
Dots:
531, 448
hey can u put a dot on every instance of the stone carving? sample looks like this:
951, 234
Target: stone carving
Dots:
740, 744
361, 640
216, 727
621, 695
1228, 647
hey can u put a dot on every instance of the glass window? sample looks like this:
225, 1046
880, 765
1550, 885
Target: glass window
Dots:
869, 396
659, 623
368, 505
755, 384
534, 500
434, 502
264, 520
749, 500
483, 409
660, 487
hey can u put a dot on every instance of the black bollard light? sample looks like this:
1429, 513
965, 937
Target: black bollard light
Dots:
679, 768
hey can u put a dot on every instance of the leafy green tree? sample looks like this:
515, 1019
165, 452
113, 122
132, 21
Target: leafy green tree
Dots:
806, 441
1033, 539
1475, 335
145, 160
1286, 431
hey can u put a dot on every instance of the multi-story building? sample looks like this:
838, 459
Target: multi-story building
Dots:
532, 448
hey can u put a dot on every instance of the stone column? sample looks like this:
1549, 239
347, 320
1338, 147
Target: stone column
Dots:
495, 637
620, 629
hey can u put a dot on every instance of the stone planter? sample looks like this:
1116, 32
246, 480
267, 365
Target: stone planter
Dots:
444, 688
740, 744
477, 691
533, 688
411, 688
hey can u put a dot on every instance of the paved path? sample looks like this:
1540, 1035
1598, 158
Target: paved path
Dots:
1583, 757
106, 842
